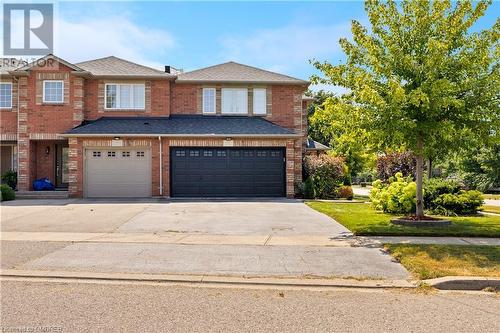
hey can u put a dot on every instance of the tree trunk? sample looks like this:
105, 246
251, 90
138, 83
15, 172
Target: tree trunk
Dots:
420, 176
429, 168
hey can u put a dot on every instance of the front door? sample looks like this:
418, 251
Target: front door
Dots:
62, 165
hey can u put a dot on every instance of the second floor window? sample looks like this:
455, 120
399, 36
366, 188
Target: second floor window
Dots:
208, 100
53, 91
259, 101
5, 95
234, 101
125, 96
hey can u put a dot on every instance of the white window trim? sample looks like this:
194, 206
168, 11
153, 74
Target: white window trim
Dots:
62, 93
118, 96
214, 102
232, 112
265, 102
11, 96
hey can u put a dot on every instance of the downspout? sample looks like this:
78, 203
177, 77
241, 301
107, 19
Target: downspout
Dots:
161, 166
17, 134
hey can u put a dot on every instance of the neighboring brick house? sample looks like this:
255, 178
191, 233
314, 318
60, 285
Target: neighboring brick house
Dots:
113, 128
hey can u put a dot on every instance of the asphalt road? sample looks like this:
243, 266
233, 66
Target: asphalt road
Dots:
100, 307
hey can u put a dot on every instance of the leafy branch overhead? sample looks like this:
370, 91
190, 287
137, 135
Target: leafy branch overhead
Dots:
418, 69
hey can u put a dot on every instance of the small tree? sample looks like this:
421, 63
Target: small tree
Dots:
419, 79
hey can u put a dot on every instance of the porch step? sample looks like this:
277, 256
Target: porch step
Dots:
42, 195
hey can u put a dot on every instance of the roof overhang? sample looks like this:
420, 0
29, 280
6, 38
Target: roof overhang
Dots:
152, 135
304, 83
134, 77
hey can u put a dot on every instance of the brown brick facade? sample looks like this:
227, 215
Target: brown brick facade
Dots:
38, 127
77, 148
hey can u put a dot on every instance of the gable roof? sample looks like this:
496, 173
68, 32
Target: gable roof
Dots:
27, 67
236, 73
114, 66
9, 64
182, 125
315, 145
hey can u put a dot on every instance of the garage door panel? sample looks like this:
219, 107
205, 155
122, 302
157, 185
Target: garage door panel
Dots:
112, 172
224, 172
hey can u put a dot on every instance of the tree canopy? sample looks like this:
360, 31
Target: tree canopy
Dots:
419, 77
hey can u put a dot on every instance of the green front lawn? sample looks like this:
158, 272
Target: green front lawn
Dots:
433, 261
362, 219
491, 209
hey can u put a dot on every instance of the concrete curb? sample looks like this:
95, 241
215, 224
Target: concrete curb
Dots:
464, 283
211, 279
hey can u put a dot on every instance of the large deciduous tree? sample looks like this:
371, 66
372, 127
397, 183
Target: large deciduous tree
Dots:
420, 78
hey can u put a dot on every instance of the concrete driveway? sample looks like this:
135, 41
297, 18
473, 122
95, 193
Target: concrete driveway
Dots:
278, 217
282, 238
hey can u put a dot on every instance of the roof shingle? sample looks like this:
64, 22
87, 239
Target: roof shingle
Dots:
188, 125
113, 66
236, 73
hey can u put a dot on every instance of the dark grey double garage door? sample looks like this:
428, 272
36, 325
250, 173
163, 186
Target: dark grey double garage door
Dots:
227, 172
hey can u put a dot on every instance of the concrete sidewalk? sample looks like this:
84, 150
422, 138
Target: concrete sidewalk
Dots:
228, 260
263, 240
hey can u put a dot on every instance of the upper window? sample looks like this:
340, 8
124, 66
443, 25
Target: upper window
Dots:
125, 96
5, 95
53, 91
208, 100
234, 100
259, 101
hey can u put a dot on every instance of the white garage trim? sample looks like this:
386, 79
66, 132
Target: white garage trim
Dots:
117, 172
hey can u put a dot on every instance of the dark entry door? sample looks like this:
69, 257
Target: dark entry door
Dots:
227, 172
62, 172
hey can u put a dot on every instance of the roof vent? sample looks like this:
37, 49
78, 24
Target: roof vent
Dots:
146, 123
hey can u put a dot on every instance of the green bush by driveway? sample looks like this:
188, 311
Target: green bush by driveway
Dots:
362, 219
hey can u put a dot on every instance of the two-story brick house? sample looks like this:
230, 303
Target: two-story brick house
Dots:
112, 128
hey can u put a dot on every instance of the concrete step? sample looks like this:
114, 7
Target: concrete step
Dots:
42, 195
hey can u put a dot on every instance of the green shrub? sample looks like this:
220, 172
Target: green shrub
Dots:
327, 174
397, 196
7, 193
435, 187
10, 178
346, 192
308, 189
463, 202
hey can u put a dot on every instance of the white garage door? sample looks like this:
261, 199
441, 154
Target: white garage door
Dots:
114, 172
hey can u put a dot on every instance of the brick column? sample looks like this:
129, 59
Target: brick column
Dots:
23, 141
290, 169
166, 167
75, 168
77, 101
